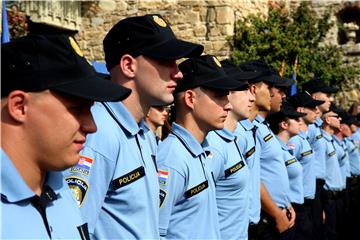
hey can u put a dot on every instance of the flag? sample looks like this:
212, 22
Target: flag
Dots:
293, 88
5, 36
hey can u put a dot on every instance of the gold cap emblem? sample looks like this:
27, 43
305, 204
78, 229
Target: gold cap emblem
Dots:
159, 21
217, 62
76, 47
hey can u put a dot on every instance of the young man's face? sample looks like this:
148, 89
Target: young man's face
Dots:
263, 96
323, 97
156, 80
277, 96
334, 120
56, 127
311, 114
211, 108
157, 116
241, 102
345, 129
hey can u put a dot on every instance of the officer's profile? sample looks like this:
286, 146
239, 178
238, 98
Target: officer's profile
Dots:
47, 90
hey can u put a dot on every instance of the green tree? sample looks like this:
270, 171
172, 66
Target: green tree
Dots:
284, 38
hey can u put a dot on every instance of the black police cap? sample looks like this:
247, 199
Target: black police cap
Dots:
303, 100
149, 35
318, 85
38, 62
267, 73
205, 71
286, 111
236, 73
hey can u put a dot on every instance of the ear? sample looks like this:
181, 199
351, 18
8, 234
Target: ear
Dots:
252, 89
300, 109
189, 98
283, 125
128, 65
17, 105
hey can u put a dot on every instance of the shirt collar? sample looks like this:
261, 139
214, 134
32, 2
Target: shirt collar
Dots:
318, 122
302, 134
124, 117
326, 135
14, 187
259, 118
246, 124
283, 144
226, 134
188, 140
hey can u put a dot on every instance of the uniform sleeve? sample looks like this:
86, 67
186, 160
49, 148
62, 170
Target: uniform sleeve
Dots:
172, 188
295, 144
89, 181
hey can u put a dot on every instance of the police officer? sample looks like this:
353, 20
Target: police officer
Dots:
317, 88
155, 119
278, 215
47, 90
227, 162
302, 150
188, 207
333, 179
117, 175
286, 124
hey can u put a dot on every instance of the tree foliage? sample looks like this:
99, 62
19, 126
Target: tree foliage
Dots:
284, 38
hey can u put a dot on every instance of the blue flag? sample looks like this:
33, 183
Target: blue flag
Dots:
293, 88
5, 36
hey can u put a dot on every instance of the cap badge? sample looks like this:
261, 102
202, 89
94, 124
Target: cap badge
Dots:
76, 47
159, 21
217, 62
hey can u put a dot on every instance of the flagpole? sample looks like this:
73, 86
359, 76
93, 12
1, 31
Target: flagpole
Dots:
5, 36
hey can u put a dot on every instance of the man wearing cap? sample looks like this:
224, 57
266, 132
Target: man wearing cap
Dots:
286, 124
188, 207
302, 150
317, 88
353, 182
333, 180
228, 163
277, 217
120, 185
47, 90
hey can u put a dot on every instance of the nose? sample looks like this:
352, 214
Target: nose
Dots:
176, 73
228, 106
88, 124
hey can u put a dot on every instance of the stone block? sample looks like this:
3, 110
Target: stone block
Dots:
224, 15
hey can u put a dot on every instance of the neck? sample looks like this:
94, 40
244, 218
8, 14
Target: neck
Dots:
328, 129
189, 124
284, 136
135, 107
24, 160
339, 135
304, 127
231, 122
263, 113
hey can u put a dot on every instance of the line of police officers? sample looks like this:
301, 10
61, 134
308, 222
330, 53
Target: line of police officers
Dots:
240, 162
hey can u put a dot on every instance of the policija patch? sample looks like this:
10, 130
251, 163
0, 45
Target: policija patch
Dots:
250, 152
291, 161
129, 178
304, 154
234, 168
197, 189
79, 188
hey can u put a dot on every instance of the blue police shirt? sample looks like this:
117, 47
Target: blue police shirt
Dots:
318, 145
356, 137
333, 179
150, 137
246, 132
231, 175
188, 207
354, 156
116, 177
343, 157
304, 154
295, 173
21, 220
273, 171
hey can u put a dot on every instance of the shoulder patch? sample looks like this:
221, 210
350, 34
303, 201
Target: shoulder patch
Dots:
79, 188
268, 137
162, 196
233, 169
291, 146
128, 178
83, 166
163, 176
250, 152
332, 153
290, 161
197, 189
304, 154
319, 136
